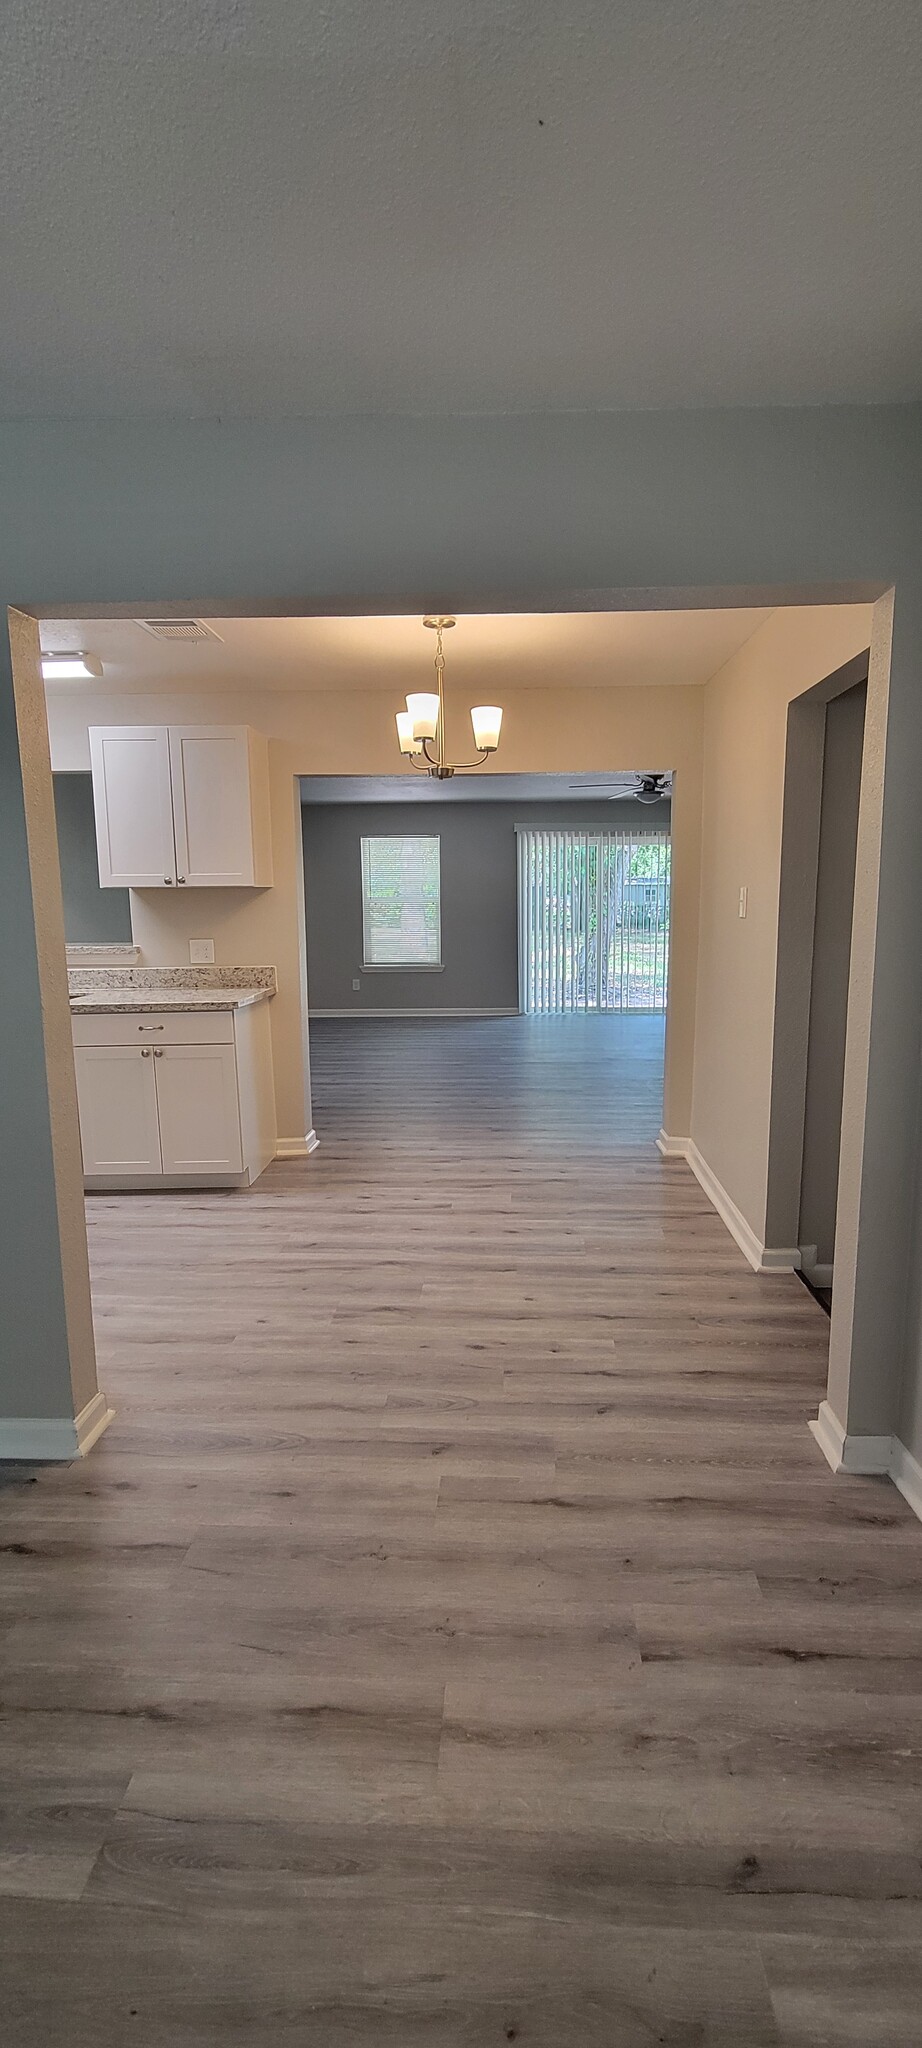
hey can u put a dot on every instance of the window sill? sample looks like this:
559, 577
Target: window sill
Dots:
403, 967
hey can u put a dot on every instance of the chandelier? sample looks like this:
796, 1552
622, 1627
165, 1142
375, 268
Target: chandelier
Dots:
421, 727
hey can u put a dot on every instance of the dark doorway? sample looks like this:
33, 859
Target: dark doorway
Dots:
835, 890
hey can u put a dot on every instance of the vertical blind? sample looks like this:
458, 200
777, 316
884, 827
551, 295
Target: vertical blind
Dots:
593, 919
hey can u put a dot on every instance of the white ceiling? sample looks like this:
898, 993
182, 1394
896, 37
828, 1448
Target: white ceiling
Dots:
487, 653
223, 207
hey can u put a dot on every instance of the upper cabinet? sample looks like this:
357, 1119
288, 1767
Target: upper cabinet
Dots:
181, 806
134, 806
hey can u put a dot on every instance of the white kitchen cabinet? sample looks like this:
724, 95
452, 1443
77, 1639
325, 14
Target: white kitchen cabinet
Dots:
179, 1098
133, 799
117, 1098
181, 806
198, 1108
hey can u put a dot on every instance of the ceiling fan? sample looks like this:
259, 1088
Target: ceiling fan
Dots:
648, 789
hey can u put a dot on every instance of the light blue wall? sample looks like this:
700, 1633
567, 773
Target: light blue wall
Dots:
412, 514
91, 914
34, 1365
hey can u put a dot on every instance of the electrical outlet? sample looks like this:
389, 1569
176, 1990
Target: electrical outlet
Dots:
744, 901
356, 983
201, 952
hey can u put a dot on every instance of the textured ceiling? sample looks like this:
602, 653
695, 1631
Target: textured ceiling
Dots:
484, 653
274, 207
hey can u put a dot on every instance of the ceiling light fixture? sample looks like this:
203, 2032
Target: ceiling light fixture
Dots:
422, 724
69, 668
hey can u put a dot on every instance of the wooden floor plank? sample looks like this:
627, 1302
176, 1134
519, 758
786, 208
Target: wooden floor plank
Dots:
458, 1638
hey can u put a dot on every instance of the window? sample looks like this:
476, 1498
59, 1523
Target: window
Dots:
593, 920
400, 902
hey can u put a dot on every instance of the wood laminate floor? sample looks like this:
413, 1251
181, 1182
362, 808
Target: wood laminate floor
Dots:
458, 1637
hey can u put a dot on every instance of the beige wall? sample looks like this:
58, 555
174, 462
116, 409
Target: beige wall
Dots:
744, 736
353, 733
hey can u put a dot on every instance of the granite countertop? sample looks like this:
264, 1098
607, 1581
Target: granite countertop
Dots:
104, 1002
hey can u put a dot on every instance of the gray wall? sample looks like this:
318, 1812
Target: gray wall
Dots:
832, 937
477, 859
334, 514
90, 913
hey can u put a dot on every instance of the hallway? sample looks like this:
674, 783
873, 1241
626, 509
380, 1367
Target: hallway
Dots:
458, 1637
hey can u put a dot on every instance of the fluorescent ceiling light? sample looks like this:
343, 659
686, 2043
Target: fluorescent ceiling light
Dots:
68, 668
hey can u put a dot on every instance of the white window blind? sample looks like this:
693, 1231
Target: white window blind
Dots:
593, 919
401, 915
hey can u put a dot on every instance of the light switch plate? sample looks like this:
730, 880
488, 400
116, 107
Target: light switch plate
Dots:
356, 983
201, 952
744, 901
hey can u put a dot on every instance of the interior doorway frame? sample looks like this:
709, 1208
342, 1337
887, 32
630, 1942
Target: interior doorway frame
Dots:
800, 848
31, 717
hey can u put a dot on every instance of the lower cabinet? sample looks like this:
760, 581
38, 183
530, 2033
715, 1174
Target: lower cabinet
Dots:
198, 1108
119, 1121
162, 1100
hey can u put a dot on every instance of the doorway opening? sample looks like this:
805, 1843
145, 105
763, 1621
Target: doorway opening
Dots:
824, 767
832, 940
463, 913
312, 720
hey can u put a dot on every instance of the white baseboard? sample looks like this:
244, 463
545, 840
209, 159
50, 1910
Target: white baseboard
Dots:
321, 1014
906, 1473
672, 1148
296, 1148
762, 1258
159, 1183
875, 1456
91, 1422
40, 1439
829, 1434
871, 1455
779, 1258
817, 1271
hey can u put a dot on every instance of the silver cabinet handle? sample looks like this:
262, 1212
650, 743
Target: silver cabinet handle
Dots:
151, 1027
181, 879
145, 1052
158, 1052
168, 880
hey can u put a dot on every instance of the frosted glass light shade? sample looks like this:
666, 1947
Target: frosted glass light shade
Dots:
409, 744
423, 708
486, 720
65, 668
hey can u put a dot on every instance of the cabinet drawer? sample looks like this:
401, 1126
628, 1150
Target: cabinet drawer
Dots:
156, 1027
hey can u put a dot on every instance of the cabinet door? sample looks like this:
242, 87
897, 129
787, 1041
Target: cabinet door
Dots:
133, 802
212, 811
198, 1108
117, 1098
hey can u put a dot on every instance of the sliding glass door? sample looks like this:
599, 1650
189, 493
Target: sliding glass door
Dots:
593, 920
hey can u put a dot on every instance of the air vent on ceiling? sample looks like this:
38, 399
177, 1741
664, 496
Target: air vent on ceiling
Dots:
179, 629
